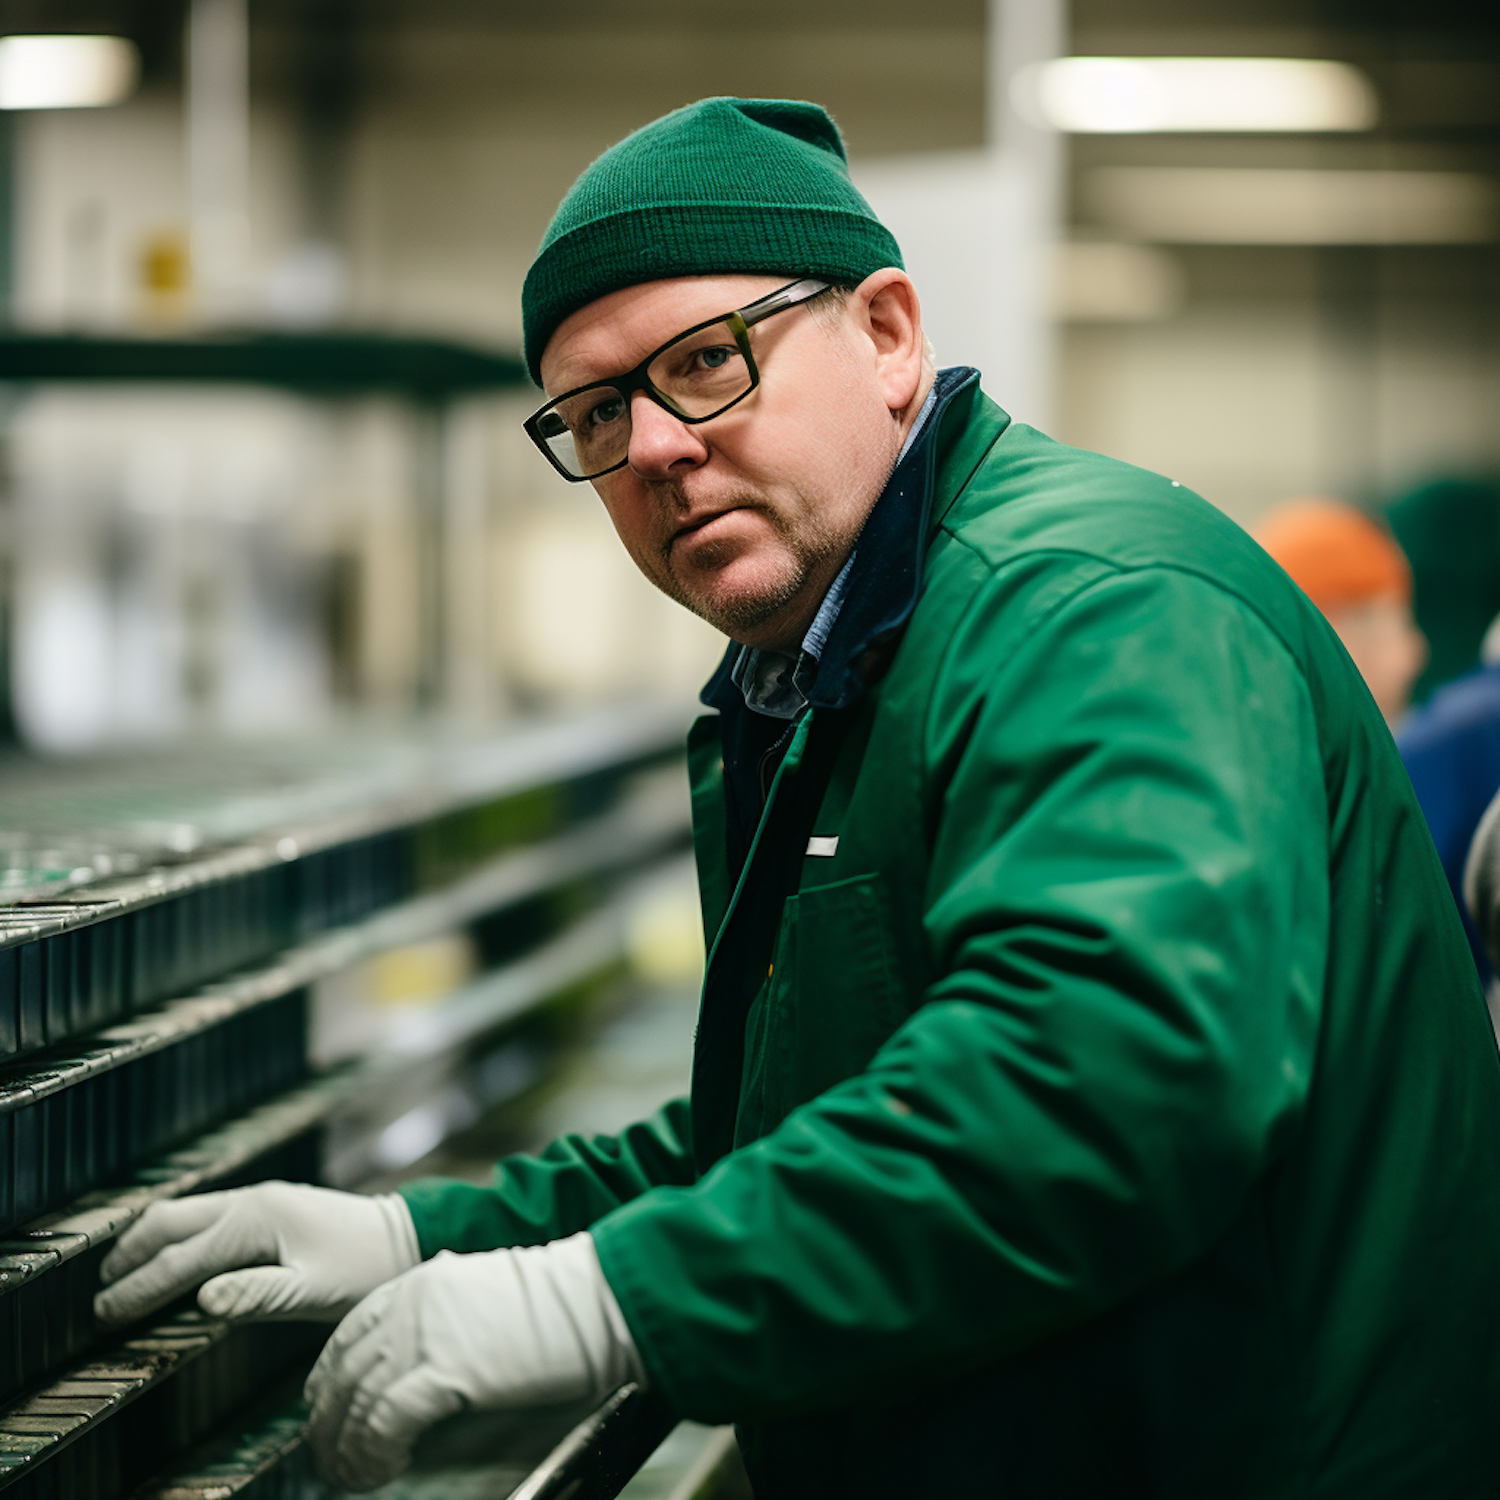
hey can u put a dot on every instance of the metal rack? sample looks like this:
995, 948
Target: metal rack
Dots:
212, 1085
433, 370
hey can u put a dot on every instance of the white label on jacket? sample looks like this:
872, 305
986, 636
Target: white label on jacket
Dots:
827, 847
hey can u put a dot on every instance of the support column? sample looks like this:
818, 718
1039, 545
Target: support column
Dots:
430, 498
1031, 162
9, 400
218, 150
977, 228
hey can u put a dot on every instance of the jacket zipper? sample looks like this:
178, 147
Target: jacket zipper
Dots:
772, 758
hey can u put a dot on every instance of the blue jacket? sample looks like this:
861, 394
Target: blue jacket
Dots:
1451, 747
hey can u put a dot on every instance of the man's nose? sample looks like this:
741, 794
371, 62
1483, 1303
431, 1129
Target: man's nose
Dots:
660, 444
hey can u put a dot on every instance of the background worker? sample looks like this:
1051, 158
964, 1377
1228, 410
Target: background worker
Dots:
1076, 1109
1353, 569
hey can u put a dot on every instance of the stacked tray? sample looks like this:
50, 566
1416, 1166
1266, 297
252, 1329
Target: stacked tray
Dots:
96, 1111
81, 946
108, 1427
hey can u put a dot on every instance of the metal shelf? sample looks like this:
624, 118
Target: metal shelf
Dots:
533, 847
352, 1100
98, 947
229, 1362
324, 364
645, 828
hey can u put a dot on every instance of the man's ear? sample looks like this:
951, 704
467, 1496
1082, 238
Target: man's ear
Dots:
887, 307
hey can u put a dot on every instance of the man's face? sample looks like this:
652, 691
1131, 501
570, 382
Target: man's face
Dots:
747, 518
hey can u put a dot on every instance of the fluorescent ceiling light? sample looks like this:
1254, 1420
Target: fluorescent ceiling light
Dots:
1109, 95
66, 72
1294, 206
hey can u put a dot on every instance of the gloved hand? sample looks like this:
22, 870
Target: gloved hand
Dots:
312, 1253
504, 1328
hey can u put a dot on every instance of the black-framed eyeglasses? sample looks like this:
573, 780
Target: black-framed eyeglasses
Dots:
696, 376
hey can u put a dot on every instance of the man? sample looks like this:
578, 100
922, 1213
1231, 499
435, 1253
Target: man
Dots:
1092, 1093
1357, 575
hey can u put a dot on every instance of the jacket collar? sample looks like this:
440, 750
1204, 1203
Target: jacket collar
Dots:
885, 579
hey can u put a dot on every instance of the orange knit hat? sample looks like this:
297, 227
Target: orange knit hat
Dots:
1335, 554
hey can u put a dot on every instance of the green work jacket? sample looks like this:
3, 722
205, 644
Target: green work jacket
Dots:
1093, 1096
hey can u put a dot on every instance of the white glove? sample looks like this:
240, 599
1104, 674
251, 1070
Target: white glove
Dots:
314, 1253
504, 1328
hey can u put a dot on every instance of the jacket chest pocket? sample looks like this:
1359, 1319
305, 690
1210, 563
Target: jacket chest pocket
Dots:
830, 1000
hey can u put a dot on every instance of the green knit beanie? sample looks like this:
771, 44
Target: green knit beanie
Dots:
719, 187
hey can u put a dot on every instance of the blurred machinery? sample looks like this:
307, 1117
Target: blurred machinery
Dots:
232, 534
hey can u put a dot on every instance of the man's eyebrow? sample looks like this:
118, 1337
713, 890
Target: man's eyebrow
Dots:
574, 375
610, 371
627, 363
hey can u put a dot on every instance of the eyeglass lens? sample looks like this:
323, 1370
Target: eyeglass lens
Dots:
697, 376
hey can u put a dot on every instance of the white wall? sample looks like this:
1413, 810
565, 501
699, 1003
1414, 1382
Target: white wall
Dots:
1252, 398
95, 187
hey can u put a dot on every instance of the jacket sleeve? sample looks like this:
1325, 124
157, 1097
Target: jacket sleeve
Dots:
1127, 917
559, 1191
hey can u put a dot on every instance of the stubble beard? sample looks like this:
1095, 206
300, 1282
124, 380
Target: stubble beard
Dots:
806, 550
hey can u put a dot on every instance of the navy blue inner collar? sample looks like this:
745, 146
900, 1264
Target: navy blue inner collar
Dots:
886, 576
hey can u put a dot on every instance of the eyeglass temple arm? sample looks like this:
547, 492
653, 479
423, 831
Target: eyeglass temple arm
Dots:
787, 296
